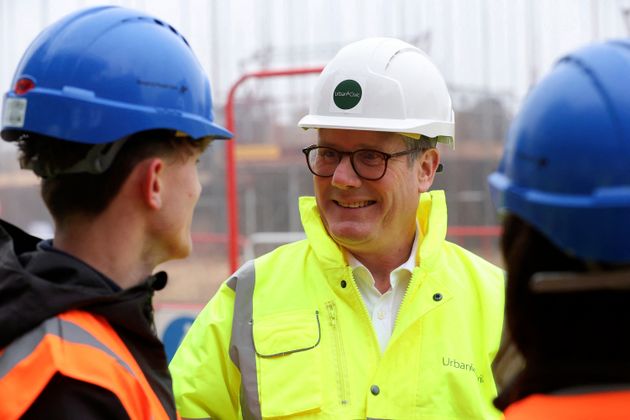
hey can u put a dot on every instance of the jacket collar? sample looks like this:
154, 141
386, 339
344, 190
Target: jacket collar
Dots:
431, 217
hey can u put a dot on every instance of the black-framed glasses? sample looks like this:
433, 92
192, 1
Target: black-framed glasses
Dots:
368, 164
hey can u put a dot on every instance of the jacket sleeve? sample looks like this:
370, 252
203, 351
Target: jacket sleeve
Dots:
65, 398
206, 382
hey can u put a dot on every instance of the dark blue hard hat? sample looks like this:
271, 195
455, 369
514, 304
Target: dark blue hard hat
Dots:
104, 73
566, 165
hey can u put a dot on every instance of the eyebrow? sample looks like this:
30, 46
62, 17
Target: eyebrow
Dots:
358, 147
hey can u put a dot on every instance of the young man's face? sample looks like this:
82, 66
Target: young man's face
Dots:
181, 193
369, 216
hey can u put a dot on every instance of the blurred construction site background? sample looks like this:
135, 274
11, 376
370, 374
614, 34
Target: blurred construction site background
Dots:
490, 51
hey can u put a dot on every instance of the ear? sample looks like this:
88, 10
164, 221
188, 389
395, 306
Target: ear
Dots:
152, 185
427, 165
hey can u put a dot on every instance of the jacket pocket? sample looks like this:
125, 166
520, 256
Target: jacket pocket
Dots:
288, 361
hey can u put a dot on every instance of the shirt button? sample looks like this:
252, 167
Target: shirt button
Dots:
437, 297
375, 390
380, 315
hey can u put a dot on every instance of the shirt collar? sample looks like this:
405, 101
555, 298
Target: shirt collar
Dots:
358, 268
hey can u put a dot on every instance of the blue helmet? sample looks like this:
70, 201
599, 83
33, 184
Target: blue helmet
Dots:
104, 73
566, 165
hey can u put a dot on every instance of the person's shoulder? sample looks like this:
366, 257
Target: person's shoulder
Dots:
64, 396
279, 257
22, 241
473, 262
479, 279
287, 250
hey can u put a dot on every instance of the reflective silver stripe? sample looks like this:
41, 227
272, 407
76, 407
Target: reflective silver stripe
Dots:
242, 350
22, 347
231, 283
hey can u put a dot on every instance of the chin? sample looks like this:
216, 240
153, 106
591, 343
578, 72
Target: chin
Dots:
349, 236
181, 250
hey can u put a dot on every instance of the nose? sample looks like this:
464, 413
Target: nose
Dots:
344, 176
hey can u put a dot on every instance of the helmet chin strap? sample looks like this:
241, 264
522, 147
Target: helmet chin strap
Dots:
98, 160
570, 282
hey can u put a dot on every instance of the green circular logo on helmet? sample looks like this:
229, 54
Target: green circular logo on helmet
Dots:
347, 94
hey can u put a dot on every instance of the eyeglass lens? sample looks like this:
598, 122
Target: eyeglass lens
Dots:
368, 164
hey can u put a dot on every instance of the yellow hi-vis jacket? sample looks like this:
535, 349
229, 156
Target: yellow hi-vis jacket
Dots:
288, 335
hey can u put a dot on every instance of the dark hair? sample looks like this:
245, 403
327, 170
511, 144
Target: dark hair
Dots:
88, 194
567, 339
420, 146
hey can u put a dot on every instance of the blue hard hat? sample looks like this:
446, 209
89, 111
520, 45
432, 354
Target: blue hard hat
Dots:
104, 73
566, 165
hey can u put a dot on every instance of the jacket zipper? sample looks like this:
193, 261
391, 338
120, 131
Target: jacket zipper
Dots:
367, 315
338, 344
404, 299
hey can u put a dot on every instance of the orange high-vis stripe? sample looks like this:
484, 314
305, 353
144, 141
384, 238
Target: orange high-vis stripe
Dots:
103, 332
80, 346
601, 406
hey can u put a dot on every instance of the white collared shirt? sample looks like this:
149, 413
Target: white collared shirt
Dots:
383, 308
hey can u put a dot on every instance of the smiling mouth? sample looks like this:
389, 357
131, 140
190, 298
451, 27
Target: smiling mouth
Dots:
354, 205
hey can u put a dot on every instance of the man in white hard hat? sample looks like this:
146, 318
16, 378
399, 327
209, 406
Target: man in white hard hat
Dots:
375, 314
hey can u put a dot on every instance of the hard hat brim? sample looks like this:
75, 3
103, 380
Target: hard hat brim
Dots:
96, 121
443, 130
567, 220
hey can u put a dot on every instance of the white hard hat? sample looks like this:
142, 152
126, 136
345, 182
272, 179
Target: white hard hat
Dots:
382, 84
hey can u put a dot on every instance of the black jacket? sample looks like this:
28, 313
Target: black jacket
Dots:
38, 282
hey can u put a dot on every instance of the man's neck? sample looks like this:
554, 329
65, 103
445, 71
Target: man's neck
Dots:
113, 249
381, 264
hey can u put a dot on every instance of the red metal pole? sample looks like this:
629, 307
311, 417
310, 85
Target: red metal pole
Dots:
230, 169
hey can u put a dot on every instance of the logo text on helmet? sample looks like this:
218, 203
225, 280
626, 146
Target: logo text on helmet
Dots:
148, 83
347, 94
